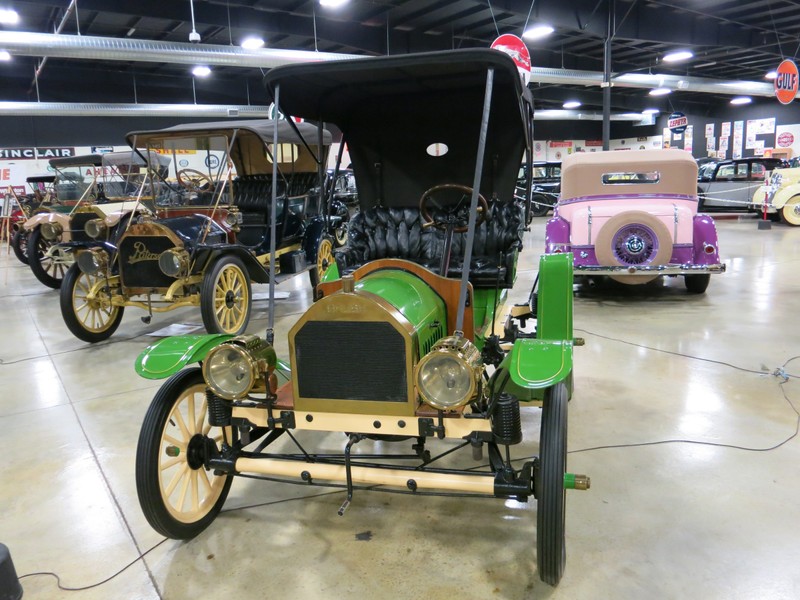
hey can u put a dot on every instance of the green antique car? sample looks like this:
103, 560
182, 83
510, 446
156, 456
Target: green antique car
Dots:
399, 345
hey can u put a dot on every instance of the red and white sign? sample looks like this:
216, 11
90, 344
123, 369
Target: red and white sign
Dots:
785, 140
678, 122
559, 144
516, 49
786, 82
594, 143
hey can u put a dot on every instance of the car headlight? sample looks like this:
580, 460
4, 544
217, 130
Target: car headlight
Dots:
233, 218
174, 262
93, 261
449, 376
51, 231
232, 369
96, 228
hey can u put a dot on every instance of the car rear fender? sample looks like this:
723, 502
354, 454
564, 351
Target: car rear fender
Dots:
784, 194
169, 355
315, 229
207, 256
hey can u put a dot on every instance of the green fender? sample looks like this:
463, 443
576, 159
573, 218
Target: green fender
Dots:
536, 364
170, 355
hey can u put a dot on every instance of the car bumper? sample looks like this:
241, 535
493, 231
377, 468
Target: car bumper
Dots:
649, 270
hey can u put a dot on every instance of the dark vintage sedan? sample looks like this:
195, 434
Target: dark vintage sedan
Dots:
545, 185
731, 184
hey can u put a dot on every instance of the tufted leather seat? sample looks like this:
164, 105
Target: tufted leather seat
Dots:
397, 233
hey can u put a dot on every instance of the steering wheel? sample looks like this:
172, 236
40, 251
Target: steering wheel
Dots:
457, 213
194, 180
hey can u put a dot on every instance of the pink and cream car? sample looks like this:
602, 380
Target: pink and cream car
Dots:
633, 216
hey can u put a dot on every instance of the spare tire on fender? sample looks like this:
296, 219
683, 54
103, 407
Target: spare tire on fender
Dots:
633, 238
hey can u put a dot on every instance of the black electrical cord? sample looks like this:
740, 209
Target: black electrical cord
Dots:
149, 550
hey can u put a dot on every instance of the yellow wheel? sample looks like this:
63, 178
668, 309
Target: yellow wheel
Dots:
91, 320
790, 212
324, 261
225, 297
179, 496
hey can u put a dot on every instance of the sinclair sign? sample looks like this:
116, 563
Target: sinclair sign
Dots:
35, 153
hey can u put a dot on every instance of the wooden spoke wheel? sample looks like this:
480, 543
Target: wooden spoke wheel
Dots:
179, 496
47, 267
325, 260
225, 298
91, 320
20, 245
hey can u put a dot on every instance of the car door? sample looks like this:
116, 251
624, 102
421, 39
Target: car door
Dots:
757, 176
728, 187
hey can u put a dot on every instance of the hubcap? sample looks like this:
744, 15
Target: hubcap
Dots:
229, 298
635, 244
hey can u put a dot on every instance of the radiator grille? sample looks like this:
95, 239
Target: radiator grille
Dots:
138, 265
351, 360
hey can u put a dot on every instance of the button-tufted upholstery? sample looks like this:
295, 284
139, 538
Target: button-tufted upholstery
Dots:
397, 233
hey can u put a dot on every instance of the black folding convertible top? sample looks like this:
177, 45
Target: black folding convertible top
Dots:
94, 160
390, 109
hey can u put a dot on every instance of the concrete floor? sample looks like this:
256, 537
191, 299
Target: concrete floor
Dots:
670, 520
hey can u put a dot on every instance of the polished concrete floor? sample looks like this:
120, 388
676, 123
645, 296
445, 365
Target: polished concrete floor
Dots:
676, 416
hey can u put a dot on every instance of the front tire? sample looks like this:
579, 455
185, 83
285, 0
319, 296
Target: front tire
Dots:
92, 320
20, 245
790, 213
697, 284
539, 206
549, 482
225, 297
178, 496
46, 269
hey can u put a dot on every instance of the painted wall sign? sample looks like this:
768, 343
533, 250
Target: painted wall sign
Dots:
516, 49
34, 153
786, 82
677, 122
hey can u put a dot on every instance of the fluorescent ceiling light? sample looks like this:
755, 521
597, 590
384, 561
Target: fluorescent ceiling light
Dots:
252, 43
742, 100
4, 55
678, 56
538, 32
8, 16
662, 91
201, 71
572, 104
333, 3
772, 75
650, 111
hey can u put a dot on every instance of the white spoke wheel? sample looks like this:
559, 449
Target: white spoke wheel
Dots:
91, 320
633, 238
325, 260
45, 268
20, 245
790, 213
549, 484
178, 495
225, 300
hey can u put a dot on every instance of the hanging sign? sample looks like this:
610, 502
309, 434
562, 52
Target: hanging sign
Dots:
677, 122
786, 82
516, 49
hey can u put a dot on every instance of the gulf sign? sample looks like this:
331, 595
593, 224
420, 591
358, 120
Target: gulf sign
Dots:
677, 122
786, 82
516, 49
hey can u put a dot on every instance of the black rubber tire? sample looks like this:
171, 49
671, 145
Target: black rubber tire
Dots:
76, 278
49, 274
20, 245
149, 468
697, 284
539, 206
208, 305
551, 501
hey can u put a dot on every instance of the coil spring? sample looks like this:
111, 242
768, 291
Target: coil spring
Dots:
506, 421
219, 410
